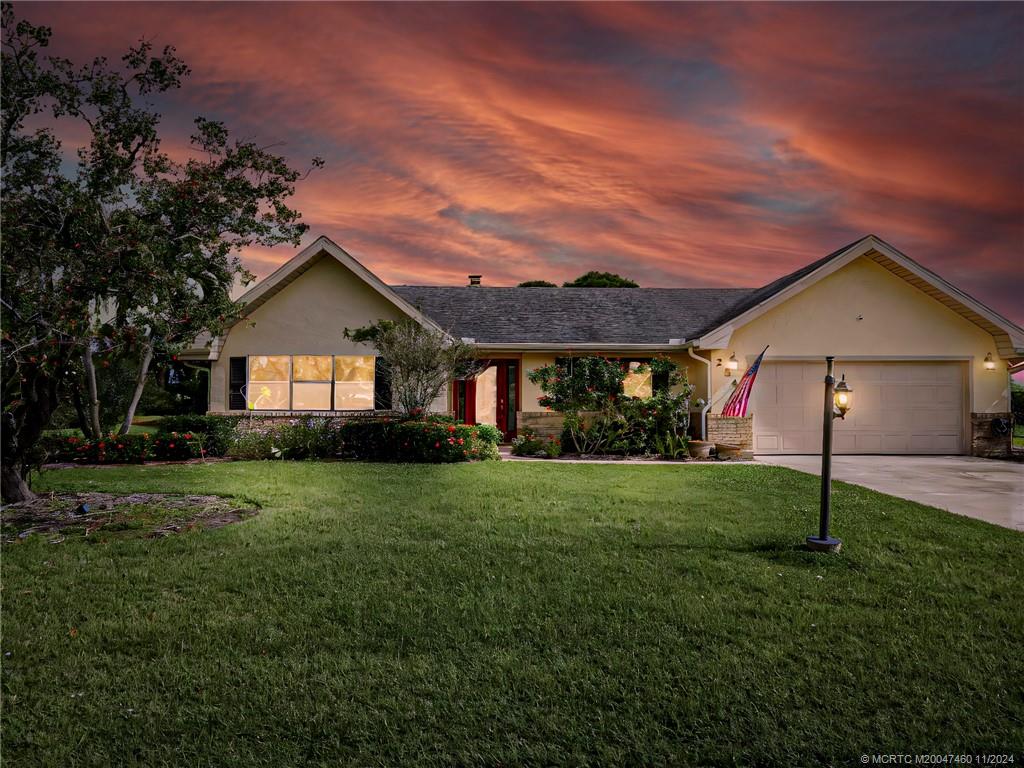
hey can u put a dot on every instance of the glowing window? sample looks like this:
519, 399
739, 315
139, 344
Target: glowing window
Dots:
311, 396
353, 383
311, 368
269, 386
637, 383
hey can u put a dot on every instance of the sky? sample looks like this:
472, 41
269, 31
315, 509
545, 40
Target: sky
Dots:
677, 144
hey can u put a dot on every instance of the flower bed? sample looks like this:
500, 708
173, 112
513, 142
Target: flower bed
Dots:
127, 449
430, 440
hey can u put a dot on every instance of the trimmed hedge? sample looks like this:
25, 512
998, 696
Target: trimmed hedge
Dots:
416, 441
126, 449
217, 432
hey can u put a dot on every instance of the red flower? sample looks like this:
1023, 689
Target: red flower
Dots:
102, 446
437, 445
188, 435
451, 427
170, 445
461, 441
119, 445
451, 441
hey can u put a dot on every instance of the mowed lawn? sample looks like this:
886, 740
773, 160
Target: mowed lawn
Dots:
513, 614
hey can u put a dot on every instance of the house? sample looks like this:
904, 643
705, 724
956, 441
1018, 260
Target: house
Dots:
929, 365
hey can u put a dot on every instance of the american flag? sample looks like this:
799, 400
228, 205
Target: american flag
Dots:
736, 405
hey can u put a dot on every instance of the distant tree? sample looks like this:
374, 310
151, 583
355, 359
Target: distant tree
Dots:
537, 284
126, 256
595, 279
418, 362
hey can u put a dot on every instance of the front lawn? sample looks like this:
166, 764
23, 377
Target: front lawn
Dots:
512, 614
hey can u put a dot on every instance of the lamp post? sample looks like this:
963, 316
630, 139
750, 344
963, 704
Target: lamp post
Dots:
838, 399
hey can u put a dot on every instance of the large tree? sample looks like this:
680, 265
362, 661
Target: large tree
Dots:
127, 254
594, 279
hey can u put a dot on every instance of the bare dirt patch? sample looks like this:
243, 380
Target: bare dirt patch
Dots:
99, 516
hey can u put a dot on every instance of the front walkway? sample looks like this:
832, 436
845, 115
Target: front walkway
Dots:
985, 489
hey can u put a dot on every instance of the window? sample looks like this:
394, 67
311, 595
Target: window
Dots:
269, 377
637, 383
306, 383
311, 382
353, 383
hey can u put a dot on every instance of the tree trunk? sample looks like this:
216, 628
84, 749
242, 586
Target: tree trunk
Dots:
83, 421
94, 399
140, 385
13, 487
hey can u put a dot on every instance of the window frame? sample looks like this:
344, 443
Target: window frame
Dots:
292, 381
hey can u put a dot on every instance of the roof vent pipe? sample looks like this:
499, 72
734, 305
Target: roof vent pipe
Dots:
475, 279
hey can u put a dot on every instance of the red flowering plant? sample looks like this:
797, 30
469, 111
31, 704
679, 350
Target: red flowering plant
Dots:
582, 385
599, 417
436, 441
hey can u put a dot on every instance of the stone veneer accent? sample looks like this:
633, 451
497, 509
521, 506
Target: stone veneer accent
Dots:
731, 430
984, 442
546, 424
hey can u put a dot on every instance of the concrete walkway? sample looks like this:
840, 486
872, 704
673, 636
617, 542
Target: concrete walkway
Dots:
985, 489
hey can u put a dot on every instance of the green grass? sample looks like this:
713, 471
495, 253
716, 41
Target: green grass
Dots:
513, 614
1018, 435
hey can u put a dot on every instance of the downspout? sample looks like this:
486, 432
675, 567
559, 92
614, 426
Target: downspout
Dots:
707, 400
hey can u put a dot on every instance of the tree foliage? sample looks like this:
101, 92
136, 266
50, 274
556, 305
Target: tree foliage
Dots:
536, 284
418, 361
128, 255
594, 279
599, 416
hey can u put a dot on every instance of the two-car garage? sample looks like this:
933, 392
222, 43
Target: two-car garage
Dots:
900, 406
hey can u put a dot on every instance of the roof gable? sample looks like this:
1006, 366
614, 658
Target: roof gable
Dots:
1009, 338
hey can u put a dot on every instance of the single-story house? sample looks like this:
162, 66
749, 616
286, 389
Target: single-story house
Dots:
929, 365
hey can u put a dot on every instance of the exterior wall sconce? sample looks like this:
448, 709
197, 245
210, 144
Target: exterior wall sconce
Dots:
731, 365
990, 364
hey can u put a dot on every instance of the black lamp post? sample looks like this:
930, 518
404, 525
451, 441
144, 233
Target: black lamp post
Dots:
838, 398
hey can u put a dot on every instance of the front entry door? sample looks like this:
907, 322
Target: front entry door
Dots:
508, 397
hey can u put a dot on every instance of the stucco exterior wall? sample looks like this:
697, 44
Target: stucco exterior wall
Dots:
864, 311
307, 317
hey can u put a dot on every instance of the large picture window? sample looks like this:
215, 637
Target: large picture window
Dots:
269, 382
309, 382
353, 383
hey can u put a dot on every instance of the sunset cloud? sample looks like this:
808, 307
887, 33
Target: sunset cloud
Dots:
680, 144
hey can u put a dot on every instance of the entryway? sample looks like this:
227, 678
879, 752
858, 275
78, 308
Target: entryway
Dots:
491, 398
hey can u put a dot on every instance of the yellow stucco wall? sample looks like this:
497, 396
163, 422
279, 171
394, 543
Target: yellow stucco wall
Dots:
898, 321
308, 316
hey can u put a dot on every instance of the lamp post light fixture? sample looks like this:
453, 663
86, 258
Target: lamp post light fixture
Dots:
838, 401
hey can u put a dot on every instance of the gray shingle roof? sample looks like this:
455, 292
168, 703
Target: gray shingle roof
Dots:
573, 315
591, 315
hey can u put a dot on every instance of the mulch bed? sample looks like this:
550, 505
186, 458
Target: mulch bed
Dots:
99, 516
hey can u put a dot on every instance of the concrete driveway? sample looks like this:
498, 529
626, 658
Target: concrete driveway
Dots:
985, 489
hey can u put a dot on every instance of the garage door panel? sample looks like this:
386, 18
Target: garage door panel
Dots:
898, 407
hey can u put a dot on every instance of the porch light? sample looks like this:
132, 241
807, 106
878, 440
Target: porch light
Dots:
990, 364
731, 365
843, 397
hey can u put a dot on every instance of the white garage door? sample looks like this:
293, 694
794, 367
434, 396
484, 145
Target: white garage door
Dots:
898, 407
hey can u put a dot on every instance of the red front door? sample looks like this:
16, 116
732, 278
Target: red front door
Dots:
508, 396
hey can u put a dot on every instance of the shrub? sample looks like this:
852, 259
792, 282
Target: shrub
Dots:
125, 449
529, 443
312, 438
218, 432
598, 417
414, 441
489, 433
